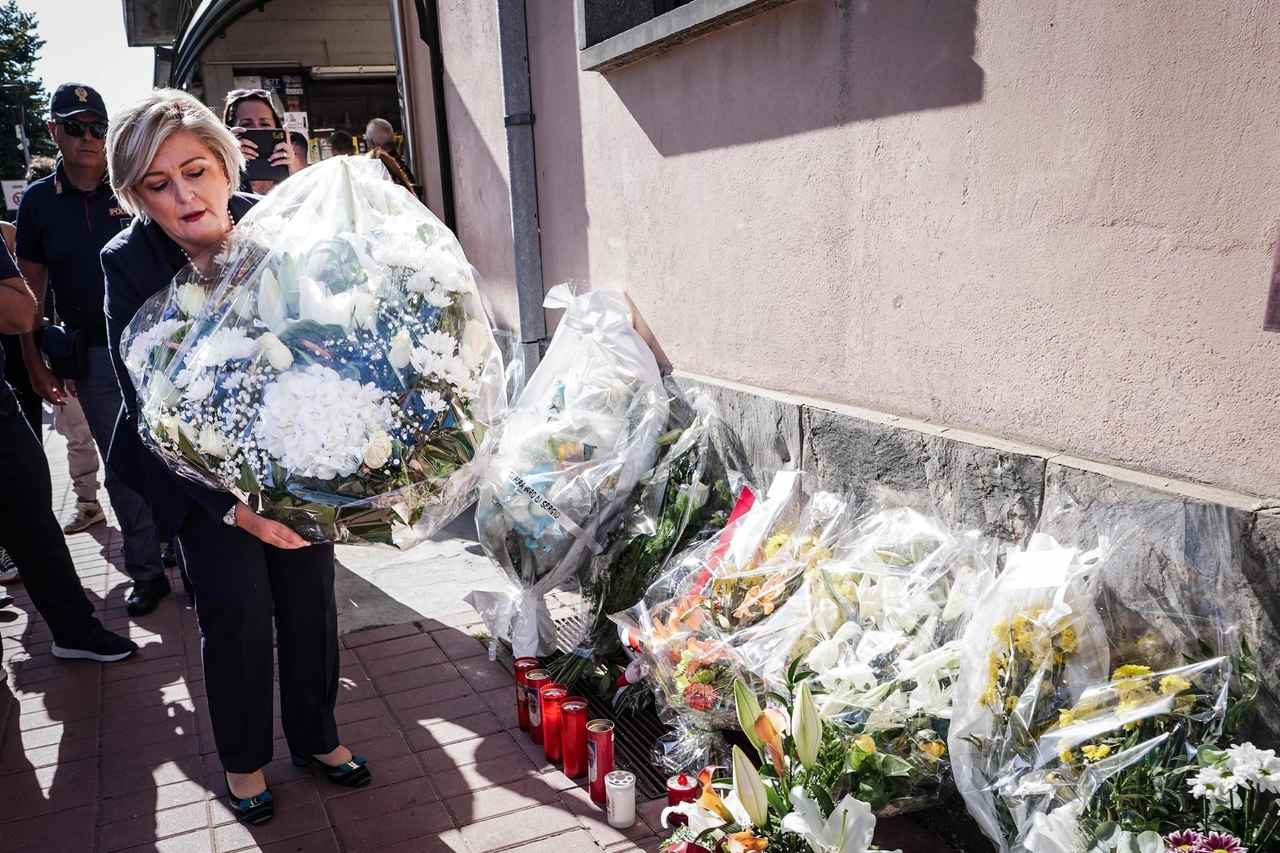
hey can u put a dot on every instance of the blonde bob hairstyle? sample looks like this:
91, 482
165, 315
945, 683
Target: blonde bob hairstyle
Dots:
138, 130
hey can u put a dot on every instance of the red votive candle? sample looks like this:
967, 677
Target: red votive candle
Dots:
599, 758
573, 732
552, 697
681, 788
535, 680
523, 666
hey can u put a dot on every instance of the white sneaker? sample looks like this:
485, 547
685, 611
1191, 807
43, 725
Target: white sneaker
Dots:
87, 514
8, 571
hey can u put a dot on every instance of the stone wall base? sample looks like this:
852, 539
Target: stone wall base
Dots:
1003, 488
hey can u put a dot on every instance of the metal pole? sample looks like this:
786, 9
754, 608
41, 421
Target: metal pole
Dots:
517, 105
22, 134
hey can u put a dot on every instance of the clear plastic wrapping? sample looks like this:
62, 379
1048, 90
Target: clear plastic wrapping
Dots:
566, 459
877, 625
1090, 681
670, 506
332, 366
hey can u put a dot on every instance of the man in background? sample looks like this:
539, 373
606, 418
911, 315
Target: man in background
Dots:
380, 135
341, 144
301, 149
64, 220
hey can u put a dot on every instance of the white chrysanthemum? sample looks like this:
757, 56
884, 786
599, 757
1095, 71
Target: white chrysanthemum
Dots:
1244, 759
1213, 784
432, 401
438, 298
318, 424
220, 347
199, 387
439, 342
425, 361
146, 340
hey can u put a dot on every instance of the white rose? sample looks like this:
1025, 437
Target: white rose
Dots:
279, 355
175, 426
211, 442
378, 451
401, 350
475, 337
190, 298
366, 308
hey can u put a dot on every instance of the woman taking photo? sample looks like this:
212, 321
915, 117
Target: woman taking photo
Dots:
251, 109
175, 166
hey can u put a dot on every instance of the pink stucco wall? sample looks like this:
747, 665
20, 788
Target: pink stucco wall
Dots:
1050, 222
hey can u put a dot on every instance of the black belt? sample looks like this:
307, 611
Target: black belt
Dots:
94, 337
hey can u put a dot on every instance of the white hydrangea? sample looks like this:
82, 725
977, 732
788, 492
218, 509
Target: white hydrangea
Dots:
318, 424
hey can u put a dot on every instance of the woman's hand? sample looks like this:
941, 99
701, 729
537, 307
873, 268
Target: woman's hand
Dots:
284, 155
270, 532
247, 146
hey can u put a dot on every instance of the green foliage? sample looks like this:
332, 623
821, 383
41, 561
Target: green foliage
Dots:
19, 49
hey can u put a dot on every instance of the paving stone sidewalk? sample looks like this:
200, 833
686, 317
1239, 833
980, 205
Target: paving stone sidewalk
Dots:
120, 757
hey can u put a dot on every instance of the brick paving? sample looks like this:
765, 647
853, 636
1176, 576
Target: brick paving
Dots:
120, 757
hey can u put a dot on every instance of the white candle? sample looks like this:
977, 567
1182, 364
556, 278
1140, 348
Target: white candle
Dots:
620, 794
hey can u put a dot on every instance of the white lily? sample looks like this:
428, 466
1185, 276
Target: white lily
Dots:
847, 830
806, 726
326, 308
749, 787
748, 709
269, 298
700, 819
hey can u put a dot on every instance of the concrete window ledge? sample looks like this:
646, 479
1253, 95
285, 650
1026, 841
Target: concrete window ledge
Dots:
664, 32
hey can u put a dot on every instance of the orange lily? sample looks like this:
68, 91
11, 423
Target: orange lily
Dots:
745, 842
769, 728
709, 799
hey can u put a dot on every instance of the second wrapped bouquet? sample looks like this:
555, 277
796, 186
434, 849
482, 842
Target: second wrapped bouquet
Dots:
332, 366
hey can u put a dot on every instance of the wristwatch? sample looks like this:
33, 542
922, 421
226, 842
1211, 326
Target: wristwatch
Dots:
230, 518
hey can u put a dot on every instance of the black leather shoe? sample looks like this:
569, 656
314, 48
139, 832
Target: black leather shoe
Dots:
146, 596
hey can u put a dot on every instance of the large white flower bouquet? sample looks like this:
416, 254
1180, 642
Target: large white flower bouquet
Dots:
1089, 700
332, 366
877, 624
566, 460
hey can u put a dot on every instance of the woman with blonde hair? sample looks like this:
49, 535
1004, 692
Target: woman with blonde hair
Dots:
175, 165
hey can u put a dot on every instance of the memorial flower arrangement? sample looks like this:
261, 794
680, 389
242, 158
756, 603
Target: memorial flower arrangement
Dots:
331, 366
1084, 724
877, 625
789, 795
689, 617
671, 504
566, 460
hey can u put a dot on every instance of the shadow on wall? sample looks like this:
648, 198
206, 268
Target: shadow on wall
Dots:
805, 66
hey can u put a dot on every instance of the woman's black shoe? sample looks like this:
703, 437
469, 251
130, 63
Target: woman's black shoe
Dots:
254, 811
353, 774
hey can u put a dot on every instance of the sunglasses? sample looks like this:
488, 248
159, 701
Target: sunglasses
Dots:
77, 128
236, 94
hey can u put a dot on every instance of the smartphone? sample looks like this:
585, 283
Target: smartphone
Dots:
266, 139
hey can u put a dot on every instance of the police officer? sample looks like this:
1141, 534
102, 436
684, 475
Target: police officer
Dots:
64, 220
